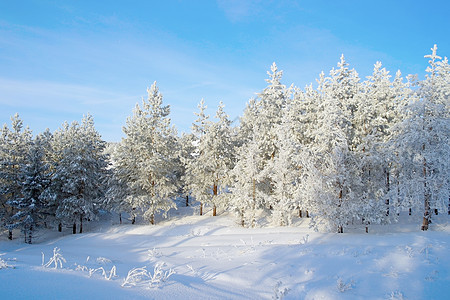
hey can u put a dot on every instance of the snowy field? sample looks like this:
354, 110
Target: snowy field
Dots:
205, 257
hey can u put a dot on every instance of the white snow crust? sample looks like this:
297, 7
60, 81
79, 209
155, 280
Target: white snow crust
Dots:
205, 257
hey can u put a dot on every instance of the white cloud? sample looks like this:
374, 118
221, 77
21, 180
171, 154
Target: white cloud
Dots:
238, 10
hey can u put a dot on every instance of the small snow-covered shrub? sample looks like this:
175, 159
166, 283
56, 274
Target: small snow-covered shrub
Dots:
56, 260
5, 265
92, 271
159, 275
342, 286
396, 295
140, 276
304, 240
278, 292
135, 276
192, 269
154, 253
103, 260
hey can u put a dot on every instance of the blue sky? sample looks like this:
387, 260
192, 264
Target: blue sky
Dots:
62, 59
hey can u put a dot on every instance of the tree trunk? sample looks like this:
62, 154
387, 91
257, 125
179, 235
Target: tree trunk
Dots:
120, 218
254, 191
187, 200
30, 234
214, 195
425, 223
388, 188
133, 220
74, 228
307, 214
152, 219
299, 213
10, 235
60, 227
340, 229
201, 208
81, 224
426, 214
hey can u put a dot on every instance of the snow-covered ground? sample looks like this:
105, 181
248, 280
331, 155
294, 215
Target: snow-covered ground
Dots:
214, 258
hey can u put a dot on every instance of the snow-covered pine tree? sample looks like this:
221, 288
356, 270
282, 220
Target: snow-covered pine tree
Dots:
214, 158
377, 106
190, 152
55, 145
34, 179
14, 147
186, 155
146, 159
285, 173
195, 185
257, 145
423, 142
302, 115
343, 85
116, 187
268, 114
333, 182
78, 175
116, 193
246, 198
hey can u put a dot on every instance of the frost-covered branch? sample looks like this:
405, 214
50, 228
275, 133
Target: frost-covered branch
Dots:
141, 276
56, 260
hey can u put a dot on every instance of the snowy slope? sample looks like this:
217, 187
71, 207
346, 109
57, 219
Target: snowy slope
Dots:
213, 258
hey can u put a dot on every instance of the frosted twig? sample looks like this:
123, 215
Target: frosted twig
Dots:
279, 292
140, 276
92, 271
57, 259
4, 264
135, 276
342, 286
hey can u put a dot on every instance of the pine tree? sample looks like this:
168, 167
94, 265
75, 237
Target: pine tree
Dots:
13, 154
78, 175
246, 199
186, 156
332, 183
116, 194
285, 173
376, 115
146, 158
196, 186
214, 158
423, 142
258, 133
34, 179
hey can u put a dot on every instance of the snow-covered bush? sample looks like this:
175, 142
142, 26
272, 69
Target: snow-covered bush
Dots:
56, 260
5, 265
343, 287
101, 270
141, 276
279, 292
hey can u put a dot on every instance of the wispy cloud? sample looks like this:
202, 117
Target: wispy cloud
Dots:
47, 104
237, 10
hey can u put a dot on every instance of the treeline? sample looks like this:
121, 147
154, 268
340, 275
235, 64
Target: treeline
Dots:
346, 151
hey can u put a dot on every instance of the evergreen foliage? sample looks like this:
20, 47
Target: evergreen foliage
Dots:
346, 152
146, 158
